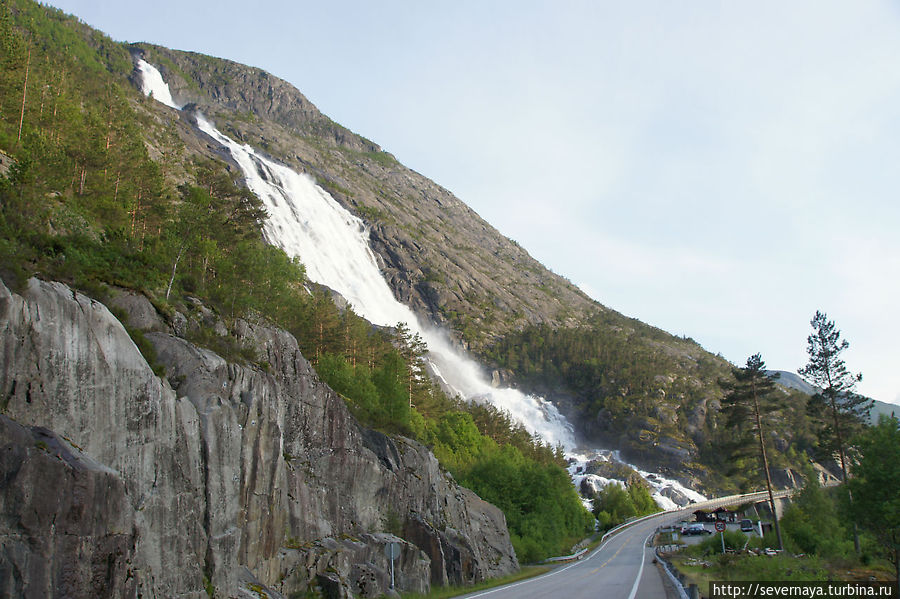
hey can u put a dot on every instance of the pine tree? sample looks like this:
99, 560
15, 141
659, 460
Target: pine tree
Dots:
747, 398
413, 349
846, 411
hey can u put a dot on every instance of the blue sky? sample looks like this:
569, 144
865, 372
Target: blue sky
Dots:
721, 170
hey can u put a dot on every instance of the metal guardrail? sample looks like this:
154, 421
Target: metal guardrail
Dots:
676, 582
612, 531
711, 503
674, 575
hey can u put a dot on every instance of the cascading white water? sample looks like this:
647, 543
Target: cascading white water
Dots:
305, 221
662, 488
153, 84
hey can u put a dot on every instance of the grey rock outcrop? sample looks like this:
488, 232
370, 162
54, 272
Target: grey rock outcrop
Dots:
676, 496
237, 476
591, 486
610, 468
67, 527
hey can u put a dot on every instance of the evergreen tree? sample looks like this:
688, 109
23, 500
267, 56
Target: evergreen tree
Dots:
413, 349
747, 398
840, 412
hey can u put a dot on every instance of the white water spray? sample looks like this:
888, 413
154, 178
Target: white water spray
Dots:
662, 489
305, 221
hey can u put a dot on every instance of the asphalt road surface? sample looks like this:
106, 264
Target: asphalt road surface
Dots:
621, 568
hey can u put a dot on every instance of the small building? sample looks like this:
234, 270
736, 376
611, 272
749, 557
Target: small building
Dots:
720, 513
704, 516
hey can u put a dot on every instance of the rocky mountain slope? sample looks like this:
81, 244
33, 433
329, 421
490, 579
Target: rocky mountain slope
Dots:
233, 478
438, 255
457, 271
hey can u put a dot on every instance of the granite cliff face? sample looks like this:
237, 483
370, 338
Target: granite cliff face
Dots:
117, 482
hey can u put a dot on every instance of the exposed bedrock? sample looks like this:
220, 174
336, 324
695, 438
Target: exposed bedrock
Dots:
236, 476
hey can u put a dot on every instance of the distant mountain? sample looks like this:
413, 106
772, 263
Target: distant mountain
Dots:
795, 381
888, 409
792, 380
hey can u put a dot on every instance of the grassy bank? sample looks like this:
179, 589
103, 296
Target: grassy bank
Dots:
454, 591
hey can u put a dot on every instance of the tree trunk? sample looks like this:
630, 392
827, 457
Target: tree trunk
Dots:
62, 79
840, 442
174, 267
765, 458
109, 127
24, 94
897, 573
134, 212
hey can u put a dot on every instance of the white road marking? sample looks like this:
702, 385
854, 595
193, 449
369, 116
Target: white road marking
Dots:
641, 569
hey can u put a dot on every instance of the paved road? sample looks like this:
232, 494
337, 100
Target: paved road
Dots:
621, 568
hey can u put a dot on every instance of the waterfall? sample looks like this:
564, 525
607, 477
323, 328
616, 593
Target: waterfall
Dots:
154, 85
333, 244
305, 221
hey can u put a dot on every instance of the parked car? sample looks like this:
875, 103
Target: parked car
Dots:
746, 525
695, 529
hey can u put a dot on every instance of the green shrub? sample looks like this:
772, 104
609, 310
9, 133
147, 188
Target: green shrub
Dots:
735, 540
812, 524
616, 504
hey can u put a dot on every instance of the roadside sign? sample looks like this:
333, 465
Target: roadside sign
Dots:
720, 526
392, 551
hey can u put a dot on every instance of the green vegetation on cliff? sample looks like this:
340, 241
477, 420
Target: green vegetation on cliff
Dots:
481, 446
633, 387
650, 394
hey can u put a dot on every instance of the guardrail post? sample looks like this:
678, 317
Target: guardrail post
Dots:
693, 591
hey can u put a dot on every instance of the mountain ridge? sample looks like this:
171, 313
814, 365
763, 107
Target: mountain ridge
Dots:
438, 255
